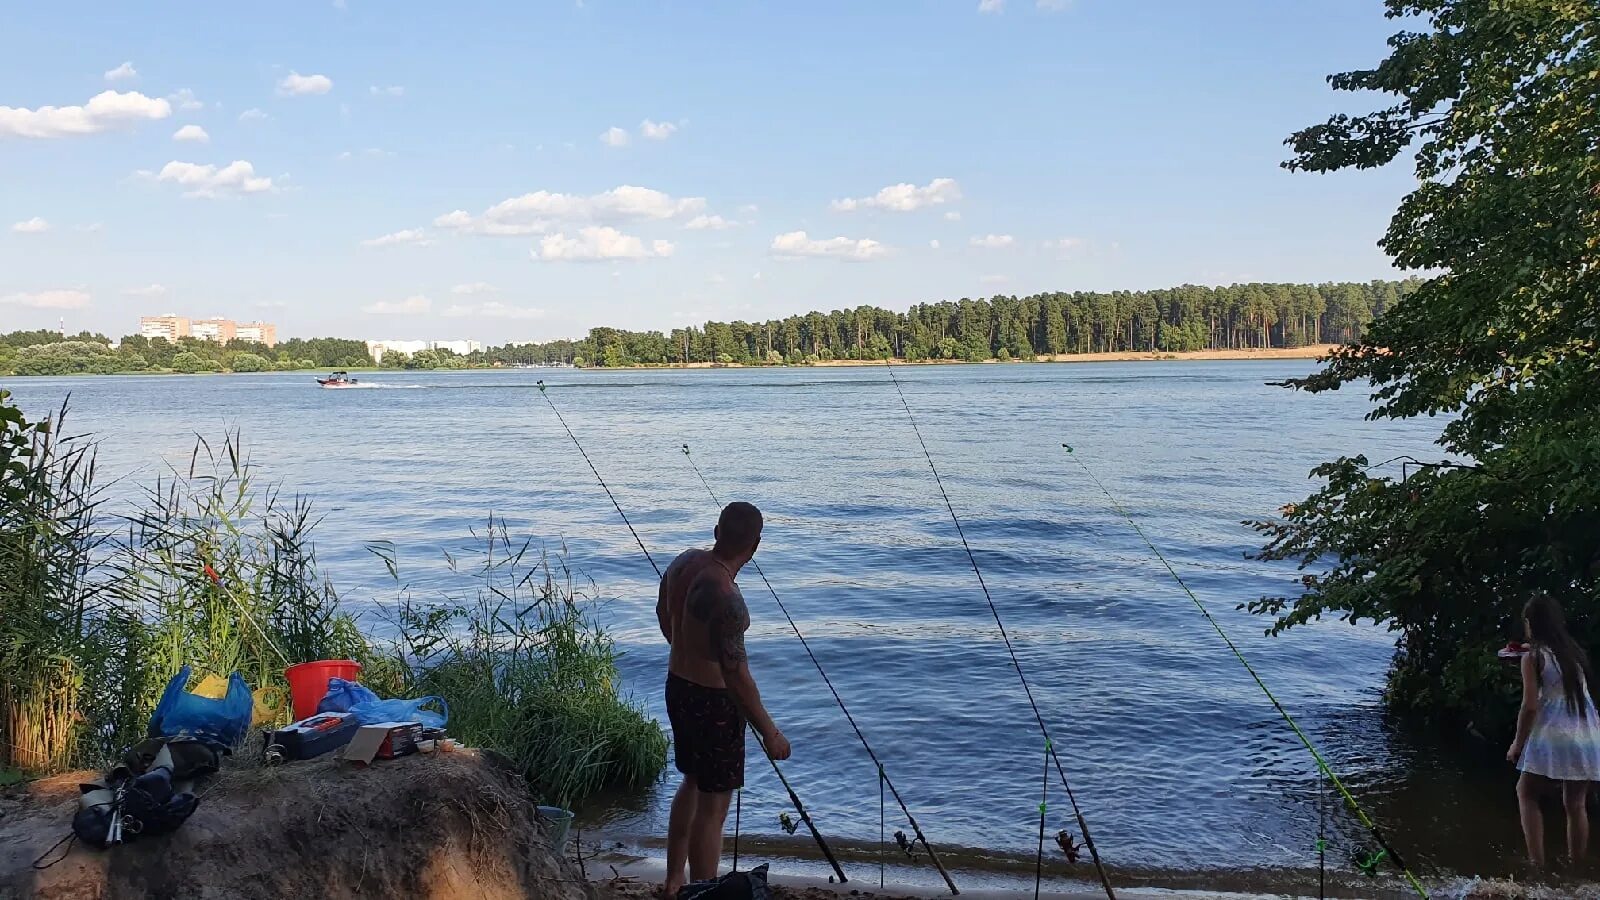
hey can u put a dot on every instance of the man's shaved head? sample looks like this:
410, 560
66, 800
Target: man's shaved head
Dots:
739, 528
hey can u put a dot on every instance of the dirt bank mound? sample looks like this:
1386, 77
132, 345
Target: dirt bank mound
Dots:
454, 826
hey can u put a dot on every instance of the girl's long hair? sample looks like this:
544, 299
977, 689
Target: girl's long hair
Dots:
1547, 630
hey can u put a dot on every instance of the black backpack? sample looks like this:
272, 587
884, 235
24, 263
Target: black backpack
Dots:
751, 885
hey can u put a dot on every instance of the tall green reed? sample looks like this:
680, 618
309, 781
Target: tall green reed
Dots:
218, 571
50, 609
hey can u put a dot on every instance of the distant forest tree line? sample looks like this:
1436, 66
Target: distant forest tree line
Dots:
1187, 318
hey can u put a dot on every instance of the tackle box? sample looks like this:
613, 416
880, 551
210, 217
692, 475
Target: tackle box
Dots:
314, 736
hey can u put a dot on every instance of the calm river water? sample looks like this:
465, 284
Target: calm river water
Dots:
1179, 762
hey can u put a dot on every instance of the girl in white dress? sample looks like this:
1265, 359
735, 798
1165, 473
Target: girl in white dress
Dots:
1558, 729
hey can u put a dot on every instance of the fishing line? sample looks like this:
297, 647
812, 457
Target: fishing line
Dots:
883, 776
794, 798
1322, 764
1083, 824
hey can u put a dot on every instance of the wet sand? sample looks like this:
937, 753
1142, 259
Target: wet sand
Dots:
627, 875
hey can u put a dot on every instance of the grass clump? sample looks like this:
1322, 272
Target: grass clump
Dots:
527, 671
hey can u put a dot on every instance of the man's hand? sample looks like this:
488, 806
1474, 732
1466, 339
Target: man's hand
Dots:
1515, 753
777, 745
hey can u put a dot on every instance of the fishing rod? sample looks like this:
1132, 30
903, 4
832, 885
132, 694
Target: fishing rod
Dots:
1322, 764
794, 798
883, 775
1083, 824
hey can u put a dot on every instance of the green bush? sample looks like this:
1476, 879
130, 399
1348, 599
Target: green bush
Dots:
248, 362
66, 358
189, 363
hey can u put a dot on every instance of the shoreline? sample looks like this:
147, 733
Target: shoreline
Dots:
628, 875
1308, 352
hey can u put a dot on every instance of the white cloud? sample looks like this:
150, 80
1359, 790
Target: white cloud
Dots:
598, 242
48, 300
614, 137
411, 306
657, 131
709, 223
192, 133
237, 177
797, 244
185, 100
414, 236
1054, 5
717, 278
993, 241
1066, 245
994, 279
149, 290
393, 90
475, 287
369, 153
934, 243
991, 6
252, 115
494, 309
297, 85
35, 225
952, 216
124, 72
92, 227
905, 197
457, 219
104, 111
542, 211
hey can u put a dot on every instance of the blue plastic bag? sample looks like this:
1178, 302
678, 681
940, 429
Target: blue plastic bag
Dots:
342, 695
182, 714
403, 711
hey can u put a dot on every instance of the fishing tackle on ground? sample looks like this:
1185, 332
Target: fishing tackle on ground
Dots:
1385, 850
1016, 663
794, 798
883, 776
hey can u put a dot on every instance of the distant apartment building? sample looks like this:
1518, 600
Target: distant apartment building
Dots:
219, 330
169, 327
377, 349
260, 332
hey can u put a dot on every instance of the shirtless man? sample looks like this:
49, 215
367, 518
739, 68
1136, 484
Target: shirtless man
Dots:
710, 691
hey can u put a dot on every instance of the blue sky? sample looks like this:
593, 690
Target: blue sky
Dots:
527, 170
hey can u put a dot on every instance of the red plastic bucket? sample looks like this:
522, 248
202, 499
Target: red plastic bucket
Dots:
308, 682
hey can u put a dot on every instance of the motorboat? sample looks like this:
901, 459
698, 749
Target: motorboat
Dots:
338, 380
